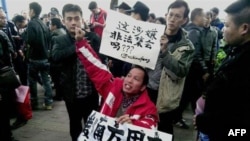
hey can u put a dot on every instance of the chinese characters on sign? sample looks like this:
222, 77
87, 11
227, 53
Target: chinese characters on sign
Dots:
130, 40
102, 128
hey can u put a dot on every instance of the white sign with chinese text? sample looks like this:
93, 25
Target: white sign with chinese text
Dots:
130, 40
102, 128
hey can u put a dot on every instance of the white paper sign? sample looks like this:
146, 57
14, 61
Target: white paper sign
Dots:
102, 128
130, 40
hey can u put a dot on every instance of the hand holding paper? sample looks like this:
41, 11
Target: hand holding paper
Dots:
124, 119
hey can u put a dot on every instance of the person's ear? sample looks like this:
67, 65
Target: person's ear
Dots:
184, 21
244, 28
63, 21
143, 88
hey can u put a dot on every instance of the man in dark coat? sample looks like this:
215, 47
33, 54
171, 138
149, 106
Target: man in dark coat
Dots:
38, 39
79, 94
5, 91
227, 106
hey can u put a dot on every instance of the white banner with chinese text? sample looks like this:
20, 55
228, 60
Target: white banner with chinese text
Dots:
102, 128
130, 40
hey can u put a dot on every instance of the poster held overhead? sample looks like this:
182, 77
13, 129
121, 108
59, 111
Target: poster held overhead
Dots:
130, 40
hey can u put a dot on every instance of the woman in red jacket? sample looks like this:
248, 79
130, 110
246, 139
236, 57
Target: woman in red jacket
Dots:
127, 98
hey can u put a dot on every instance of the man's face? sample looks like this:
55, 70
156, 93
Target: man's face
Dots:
135, 16
150, 19
175, 18
231, 32
208, 20
133, 82
214, 15
31, 13
121, 11
51, 16
52, 27
3, 19
95, 10
72, 20
45, 20
201, 19
21, 25
24, 13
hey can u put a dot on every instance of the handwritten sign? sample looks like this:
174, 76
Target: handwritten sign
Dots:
130, 40
102, 128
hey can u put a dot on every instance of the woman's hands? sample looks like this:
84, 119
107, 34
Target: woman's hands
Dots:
124, 119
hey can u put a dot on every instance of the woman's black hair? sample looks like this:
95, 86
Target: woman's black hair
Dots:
145, 78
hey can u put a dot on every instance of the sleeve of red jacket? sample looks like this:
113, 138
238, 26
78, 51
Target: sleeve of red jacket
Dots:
97, 72
149, 121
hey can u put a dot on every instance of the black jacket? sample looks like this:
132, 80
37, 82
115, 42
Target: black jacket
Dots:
228, 97
38, 38
6, 49
195, 35
64, 52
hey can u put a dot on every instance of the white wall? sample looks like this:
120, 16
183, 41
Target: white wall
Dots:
159, 7
16, 6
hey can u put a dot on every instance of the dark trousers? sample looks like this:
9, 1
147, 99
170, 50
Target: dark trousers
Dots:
41, 67
166, 122
5, 103
194, 85
79, 110
21, 68
153, 94
55, 76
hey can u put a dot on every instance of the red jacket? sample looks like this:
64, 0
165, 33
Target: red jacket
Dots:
101, 19
143, 112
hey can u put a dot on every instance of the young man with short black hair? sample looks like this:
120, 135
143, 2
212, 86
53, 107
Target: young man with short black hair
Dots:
227, 106
78, 91
177, 55
6, 92
97, 18
38, 39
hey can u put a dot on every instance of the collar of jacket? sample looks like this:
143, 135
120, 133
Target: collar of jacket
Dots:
35, 17
240, 48
141, 99
184, 41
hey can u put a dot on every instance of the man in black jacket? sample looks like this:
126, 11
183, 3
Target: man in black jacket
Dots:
56, 29
79, 93
38, 39
227, 106
5, 92
198, 71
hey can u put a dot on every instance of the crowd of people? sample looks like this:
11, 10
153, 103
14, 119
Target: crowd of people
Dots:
61, 51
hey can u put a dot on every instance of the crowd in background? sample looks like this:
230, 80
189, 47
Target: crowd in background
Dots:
202, 63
